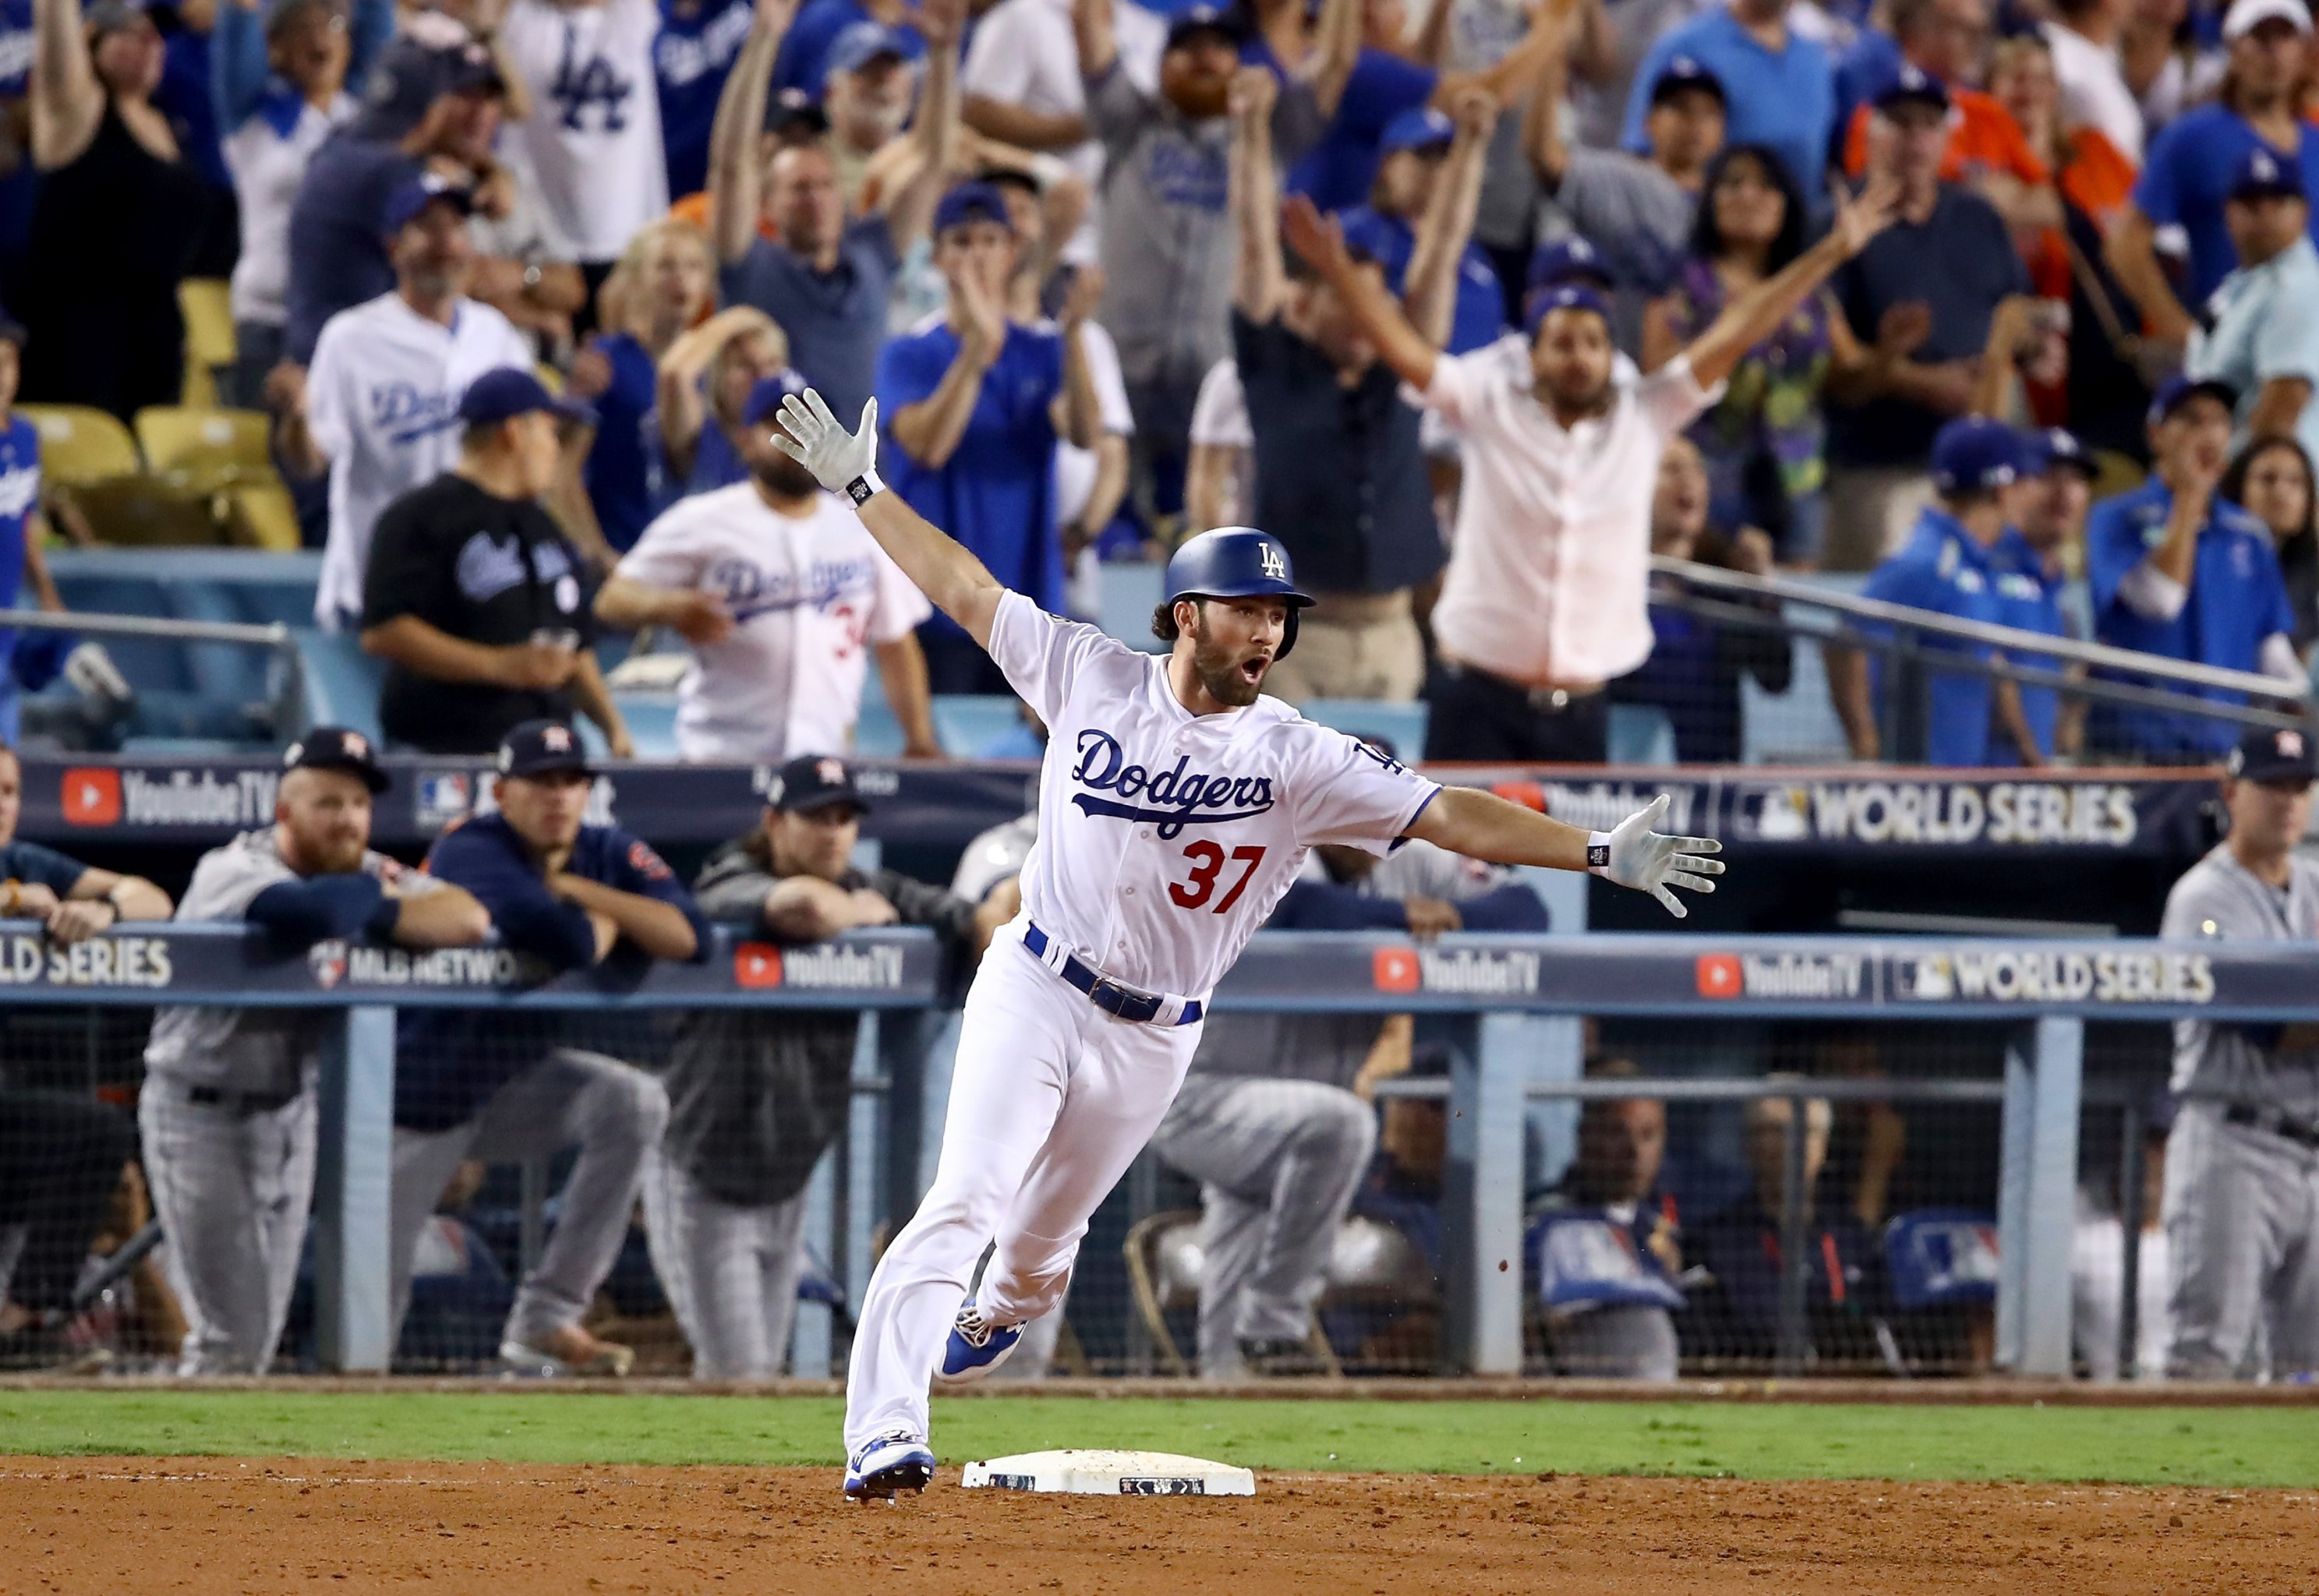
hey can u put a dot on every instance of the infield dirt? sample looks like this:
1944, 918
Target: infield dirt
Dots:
213, 1525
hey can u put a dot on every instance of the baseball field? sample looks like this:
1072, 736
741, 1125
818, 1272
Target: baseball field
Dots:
518, 1491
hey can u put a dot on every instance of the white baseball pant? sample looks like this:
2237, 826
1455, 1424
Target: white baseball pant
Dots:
730, 1271
231, 1190
1051, 1100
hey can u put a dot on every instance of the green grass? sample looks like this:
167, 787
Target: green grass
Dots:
2136, 1446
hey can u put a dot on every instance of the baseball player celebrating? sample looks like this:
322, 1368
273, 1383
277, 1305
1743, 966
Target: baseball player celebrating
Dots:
1176, 807
2242, 1159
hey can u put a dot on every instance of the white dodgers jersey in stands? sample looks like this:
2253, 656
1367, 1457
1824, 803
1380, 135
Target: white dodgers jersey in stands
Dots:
1165, 837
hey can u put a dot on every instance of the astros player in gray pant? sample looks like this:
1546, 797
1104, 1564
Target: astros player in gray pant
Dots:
2241, 1202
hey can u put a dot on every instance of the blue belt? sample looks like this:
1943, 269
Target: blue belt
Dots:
1106, 995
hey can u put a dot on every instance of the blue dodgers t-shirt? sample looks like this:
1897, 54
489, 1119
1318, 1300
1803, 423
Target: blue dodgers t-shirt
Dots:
698, 43
2187, 174
1479, 317
1941, 569
338, 254
20, 496
449, 1061
835, 322
2237, 598
2029, 597
1787, 101
30, 864
995, 494
1961, 261
716, 462
1336, 173
804, 61
623, 472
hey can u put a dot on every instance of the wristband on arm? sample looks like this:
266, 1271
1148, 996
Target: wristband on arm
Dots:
1597, 853
862, 487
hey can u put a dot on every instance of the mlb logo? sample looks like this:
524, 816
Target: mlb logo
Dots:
757, 966
1396, 970
444, 795
327, 962
1718, 975
91, 798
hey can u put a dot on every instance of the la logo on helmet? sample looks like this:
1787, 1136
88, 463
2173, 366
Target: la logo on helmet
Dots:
1274, 565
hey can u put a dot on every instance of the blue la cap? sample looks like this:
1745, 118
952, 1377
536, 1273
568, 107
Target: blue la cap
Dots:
971, 200
407, 203
2179, 389
1913, 83
2054, 447
1421, 129
862, 43
1686, 72
2262, 173
1974, 454
1202, 18
1544, 301
509, 392
765, 397
542, 747
1562, 260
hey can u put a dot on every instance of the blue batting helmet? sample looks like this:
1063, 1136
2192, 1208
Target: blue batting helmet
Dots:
1237, 563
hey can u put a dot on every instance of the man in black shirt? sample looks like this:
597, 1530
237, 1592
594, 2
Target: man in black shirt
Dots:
474, 598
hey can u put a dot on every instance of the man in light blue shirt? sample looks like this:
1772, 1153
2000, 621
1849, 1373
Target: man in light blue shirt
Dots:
1779, 87
2260, 331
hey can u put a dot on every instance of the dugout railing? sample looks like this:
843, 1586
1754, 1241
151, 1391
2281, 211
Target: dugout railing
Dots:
1510, 1009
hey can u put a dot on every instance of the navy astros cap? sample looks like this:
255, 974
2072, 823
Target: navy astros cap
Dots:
543, 748
1682, 73
2262, 173
1423, 128
1543, 303
2268, 754
765, 398
409, 202
1562, 260
969, 201
1973, 453
509, 392
335, 748
2179, 389
1913, 83
814, 781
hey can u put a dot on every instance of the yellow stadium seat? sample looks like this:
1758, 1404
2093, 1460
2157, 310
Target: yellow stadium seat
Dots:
204, 441
209, 343
79, 444
261, 514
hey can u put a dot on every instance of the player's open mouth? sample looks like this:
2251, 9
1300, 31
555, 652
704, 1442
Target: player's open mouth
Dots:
1253, 669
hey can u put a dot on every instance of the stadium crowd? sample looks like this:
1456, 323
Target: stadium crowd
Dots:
1475, 310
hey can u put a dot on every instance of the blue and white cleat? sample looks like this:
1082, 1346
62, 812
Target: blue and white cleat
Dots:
977, 1346
895, 1461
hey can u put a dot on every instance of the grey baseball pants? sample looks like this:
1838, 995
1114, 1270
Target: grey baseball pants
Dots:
2242, 1216
730, 1270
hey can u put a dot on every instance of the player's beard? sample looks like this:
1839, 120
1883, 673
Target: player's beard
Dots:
785, 477
1219, 670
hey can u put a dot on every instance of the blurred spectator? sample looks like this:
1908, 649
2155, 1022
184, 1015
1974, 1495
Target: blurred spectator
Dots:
706, 378
1274, 1119
591, 145
698, 43
1340, 474
1696, 665
2084, 37
2168, 66
474, 598
72, 901
867, 97
1610, 1246
2176, 571
66, 1155
1167, 240
1561, 463
804, 65
778, 588
118, 220
497, 1086
2242, 1231
1431, 166
2191, 167
1023, 87
1924, 291
378, 409
1738, 1315
1764, 442
1922, 714
1220, 481
22, 528
660, 290
2273, 481
755, 1098
1639, 210
280, 91
1779, 86
2097, 1272
974, 406
2260, 332
824, 279
1403, 1186
229, 1105
2032, 560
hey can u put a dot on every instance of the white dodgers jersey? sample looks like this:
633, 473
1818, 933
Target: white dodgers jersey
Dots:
593, 142
1165, 837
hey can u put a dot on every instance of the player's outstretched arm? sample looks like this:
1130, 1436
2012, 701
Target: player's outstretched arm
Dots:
1484, 825
952, 579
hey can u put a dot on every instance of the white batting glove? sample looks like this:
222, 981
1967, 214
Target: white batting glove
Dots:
1633, 855
838, 459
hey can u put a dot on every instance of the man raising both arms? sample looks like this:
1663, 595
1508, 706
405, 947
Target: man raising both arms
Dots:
1176, 806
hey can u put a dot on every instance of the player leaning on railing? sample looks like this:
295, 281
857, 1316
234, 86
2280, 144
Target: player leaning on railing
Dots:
1176, 807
